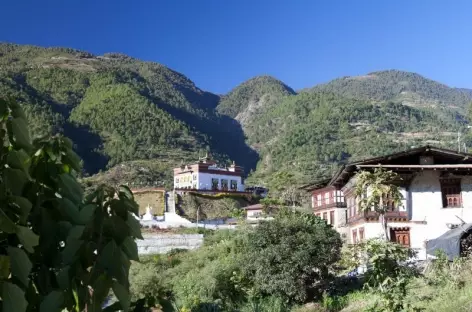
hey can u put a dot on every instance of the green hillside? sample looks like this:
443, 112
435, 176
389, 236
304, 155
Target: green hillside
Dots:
399, 86
118, 109
132, 121
307, 135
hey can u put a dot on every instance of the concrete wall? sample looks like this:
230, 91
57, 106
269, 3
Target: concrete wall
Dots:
162, 243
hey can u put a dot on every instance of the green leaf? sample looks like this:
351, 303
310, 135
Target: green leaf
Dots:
6, 224
4, 267
122, 294
62, 278
21, 137
24, 205
20, 264
16, 110
125, 191
18, 159
69, 209
86, 213
70, 188
134, 226
27, 238
73, 244
13, 298
3, 109
72, 159
52, 302
101, 288
16, 180
130, 248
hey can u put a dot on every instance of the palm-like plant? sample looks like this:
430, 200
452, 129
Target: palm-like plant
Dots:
373, 189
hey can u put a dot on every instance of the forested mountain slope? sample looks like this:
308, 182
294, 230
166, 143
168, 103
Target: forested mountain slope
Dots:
135, 120
399, 86
307, 135
118, 109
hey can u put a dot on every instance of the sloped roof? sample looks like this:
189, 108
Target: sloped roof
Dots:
444, 155
315, 185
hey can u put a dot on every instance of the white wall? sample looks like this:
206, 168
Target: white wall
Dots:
426, 203
204, 180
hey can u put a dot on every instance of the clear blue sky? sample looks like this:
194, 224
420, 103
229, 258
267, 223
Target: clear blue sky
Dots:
220, 43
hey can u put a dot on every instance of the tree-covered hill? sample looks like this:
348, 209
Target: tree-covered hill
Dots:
241, 98
117, 108
307, 135
133, 121
399, 86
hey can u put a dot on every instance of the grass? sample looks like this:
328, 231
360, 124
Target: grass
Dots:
447, 287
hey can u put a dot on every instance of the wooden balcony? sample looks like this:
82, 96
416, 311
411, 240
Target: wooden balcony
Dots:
372, 216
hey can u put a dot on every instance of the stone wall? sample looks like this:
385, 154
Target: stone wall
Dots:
162, 243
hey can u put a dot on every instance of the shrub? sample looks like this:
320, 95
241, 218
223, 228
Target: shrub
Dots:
290, 256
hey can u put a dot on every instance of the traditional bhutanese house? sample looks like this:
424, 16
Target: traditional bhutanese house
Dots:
206, 175
328, 203
436, 185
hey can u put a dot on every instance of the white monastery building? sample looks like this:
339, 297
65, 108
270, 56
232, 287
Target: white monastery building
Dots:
436, 185
207, 175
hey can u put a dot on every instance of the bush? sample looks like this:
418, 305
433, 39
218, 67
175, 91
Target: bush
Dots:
387, 274
290, 256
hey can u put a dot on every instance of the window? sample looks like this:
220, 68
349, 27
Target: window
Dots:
224, 184
234, 185
176, 180
451, 193
313, 201
214, 184
361, 233
325, 216
194, 177
354, 236
351, 207
331, 217
388, 202
319, 200
327, 198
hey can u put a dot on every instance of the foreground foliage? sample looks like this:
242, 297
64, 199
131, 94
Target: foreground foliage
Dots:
59, 250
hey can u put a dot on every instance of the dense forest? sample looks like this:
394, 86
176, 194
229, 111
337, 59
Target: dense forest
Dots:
132, 121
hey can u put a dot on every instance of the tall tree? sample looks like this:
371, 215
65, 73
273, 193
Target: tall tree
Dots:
376, 191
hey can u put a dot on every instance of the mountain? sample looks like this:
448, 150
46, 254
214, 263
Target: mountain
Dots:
307, 135
132, 121
117, 108
399, 86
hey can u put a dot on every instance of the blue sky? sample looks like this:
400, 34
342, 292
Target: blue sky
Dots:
221, 43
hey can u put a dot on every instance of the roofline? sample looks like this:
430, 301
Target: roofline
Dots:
425, 148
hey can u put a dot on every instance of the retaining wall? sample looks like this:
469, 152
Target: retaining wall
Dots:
162, 243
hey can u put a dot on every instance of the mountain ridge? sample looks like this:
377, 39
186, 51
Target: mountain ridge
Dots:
144, 118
